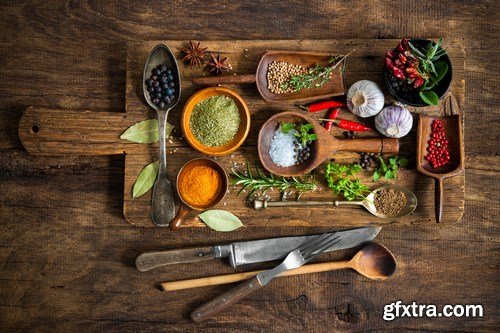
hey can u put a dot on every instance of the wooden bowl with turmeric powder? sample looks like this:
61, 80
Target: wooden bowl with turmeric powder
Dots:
215, 121
201, 183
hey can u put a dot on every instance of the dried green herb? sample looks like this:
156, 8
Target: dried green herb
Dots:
316, 76
220, 220
263, 182
146, 179
342, 180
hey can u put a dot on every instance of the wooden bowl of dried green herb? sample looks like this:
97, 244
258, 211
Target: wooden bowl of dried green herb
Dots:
215, 121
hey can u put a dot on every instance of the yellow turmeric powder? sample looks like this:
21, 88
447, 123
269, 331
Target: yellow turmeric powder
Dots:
200, 186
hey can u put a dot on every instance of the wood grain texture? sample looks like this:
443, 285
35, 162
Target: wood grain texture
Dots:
67, 254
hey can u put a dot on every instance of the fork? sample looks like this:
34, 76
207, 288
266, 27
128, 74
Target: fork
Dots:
298, 257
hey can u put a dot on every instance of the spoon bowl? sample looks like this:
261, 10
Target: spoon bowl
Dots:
374, 261
162, 204
411, 202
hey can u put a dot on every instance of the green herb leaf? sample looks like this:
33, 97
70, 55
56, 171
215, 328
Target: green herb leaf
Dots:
389, 175
146, 179
220, 220
341, 180
403, 162
145, 131
376, 176
429, 97
287, 127
441, 70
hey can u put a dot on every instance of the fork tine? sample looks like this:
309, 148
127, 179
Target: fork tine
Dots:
308, 244
318, 244
320, 250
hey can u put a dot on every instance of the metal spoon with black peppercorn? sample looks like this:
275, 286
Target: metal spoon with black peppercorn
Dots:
162, 91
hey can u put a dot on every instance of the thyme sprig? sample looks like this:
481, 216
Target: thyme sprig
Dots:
316, 76
263, 182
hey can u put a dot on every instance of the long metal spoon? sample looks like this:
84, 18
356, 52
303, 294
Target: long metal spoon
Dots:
163, 208
411, 203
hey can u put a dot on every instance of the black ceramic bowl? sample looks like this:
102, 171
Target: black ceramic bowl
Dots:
413, 98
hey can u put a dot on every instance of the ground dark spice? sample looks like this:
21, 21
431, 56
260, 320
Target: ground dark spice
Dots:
389, 201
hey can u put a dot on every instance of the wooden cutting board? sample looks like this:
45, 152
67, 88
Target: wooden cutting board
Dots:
78, 132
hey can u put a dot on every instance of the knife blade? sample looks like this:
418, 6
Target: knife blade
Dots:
248, 252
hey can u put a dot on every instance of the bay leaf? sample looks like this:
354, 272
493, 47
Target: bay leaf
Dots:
146, 179
145, 131
220, 220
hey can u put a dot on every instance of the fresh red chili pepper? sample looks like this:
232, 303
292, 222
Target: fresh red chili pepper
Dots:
332, 114
350, 125
404, 43
316, 107
390, 54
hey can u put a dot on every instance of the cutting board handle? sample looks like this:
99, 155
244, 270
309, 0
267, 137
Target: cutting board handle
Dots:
45, 131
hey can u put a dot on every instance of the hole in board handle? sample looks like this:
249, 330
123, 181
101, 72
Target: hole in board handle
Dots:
35, 129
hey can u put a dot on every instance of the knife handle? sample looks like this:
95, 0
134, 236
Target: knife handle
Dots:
223, 301
149, 260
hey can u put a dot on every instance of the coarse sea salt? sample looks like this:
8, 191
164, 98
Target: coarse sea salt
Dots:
281, 150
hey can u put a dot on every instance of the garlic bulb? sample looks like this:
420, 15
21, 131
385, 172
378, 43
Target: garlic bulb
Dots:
365, 98
394, 121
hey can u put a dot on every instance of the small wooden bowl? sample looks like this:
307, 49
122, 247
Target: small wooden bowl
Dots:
242, 133
185, 207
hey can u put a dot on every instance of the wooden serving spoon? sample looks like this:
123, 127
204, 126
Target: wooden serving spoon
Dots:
453, 130
321, 149
334, 87
374, 261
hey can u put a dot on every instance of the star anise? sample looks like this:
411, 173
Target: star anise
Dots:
218, 64
194, 55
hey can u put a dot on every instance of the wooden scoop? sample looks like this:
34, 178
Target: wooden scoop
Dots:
321, 149
334, 87
453, 131
374, 261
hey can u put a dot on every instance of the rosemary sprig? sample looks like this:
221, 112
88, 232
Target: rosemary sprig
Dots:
263, 182
316, 76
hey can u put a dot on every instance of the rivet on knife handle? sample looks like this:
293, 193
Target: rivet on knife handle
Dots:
149, 260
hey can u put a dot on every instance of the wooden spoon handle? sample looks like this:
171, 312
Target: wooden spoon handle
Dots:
179, 217
236, 277
372, 145
438, 204
225, 300
226, 79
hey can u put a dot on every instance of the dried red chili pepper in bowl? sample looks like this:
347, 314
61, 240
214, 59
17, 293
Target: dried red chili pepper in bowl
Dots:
417, 72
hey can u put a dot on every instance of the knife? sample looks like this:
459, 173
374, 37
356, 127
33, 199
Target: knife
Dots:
248, 252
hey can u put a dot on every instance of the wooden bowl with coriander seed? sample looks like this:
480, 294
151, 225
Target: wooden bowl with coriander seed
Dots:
201, 183
215, 121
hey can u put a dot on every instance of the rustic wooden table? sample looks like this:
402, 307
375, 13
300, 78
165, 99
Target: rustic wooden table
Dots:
67, 253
